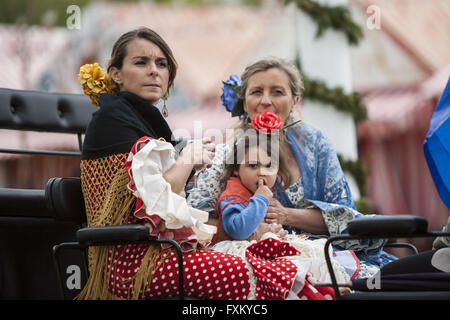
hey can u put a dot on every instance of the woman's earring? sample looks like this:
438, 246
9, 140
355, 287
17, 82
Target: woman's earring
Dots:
165, 111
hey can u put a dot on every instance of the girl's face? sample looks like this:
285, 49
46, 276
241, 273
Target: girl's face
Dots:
144, 72
269, 90
257, 165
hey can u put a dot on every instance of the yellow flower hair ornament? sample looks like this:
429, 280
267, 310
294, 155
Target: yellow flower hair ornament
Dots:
95, 81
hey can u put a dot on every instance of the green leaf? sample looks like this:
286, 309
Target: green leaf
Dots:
235, 88
238, 108
291, 124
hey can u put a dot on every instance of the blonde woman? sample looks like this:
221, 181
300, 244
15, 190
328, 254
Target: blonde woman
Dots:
318, 201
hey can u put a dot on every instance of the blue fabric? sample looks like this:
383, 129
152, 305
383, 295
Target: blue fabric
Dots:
377, 258
326, 187
437, 146
240, 220
323, 180
348, 261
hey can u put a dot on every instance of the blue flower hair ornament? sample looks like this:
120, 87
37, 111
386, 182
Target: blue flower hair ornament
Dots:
230, 96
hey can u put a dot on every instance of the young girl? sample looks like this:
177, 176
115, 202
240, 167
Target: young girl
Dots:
250, 173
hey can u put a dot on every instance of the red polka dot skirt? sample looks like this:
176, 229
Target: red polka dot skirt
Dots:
263, 274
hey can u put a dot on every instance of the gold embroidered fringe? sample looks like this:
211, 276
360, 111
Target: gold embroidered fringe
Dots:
111, 204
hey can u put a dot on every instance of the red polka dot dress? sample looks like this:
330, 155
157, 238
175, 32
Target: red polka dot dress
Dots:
213, 275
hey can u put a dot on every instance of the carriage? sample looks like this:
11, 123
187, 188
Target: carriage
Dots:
43, 232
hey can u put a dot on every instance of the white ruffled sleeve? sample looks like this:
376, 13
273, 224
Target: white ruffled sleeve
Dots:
167, 213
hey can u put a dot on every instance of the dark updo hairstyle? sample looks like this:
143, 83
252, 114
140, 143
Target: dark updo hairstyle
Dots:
119, 50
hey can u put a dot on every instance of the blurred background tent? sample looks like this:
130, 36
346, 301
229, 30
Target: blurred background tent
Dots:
399, 67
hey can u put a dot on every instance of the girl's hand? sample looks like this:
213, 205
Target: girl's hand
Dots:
264, 190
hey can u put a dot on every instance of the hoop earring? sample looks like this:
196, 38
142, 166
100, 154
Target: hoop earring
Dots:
165, 111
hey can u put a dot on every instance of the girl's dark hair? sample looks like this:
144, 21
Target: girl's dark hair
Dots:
270, 144
119, 50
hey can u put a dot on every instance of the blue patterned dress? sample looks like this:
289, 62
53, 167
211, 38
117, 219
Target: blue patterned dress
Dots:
322, 185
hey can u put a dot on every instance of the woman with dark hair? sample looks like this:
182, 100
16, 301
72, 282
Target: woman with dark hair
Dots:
132, 174
140, 73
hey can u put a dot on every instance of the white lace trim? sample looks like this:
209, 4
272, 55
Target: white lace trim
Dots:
148, 165
311, 261
313, 258
367, 271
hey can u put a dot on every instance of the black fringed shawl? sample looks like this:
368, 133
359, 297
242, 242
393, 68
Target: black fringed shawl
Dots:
121, 120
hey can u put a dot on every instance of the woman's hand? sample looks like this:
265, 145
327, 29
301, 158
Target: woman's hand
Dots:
307, 220
276, 213
199, 153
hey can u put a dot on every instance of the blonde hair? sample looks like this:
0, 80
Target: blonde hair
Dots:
295, 79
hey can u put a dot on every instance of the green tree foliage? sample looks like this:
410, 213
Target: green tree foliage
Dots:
328, 17
40, 12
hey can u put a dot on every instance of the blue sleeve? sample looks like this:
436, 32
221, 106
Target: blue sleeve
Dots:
239, 221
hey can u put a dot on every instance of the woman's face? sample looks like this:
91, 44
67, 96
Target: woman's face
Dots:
270, 90
145, 71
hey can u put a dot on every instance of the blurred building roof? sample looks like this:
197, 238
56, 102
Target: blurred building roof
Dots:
208, 41
398, 110
213, 41
421, 28
392, 111
403, 67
